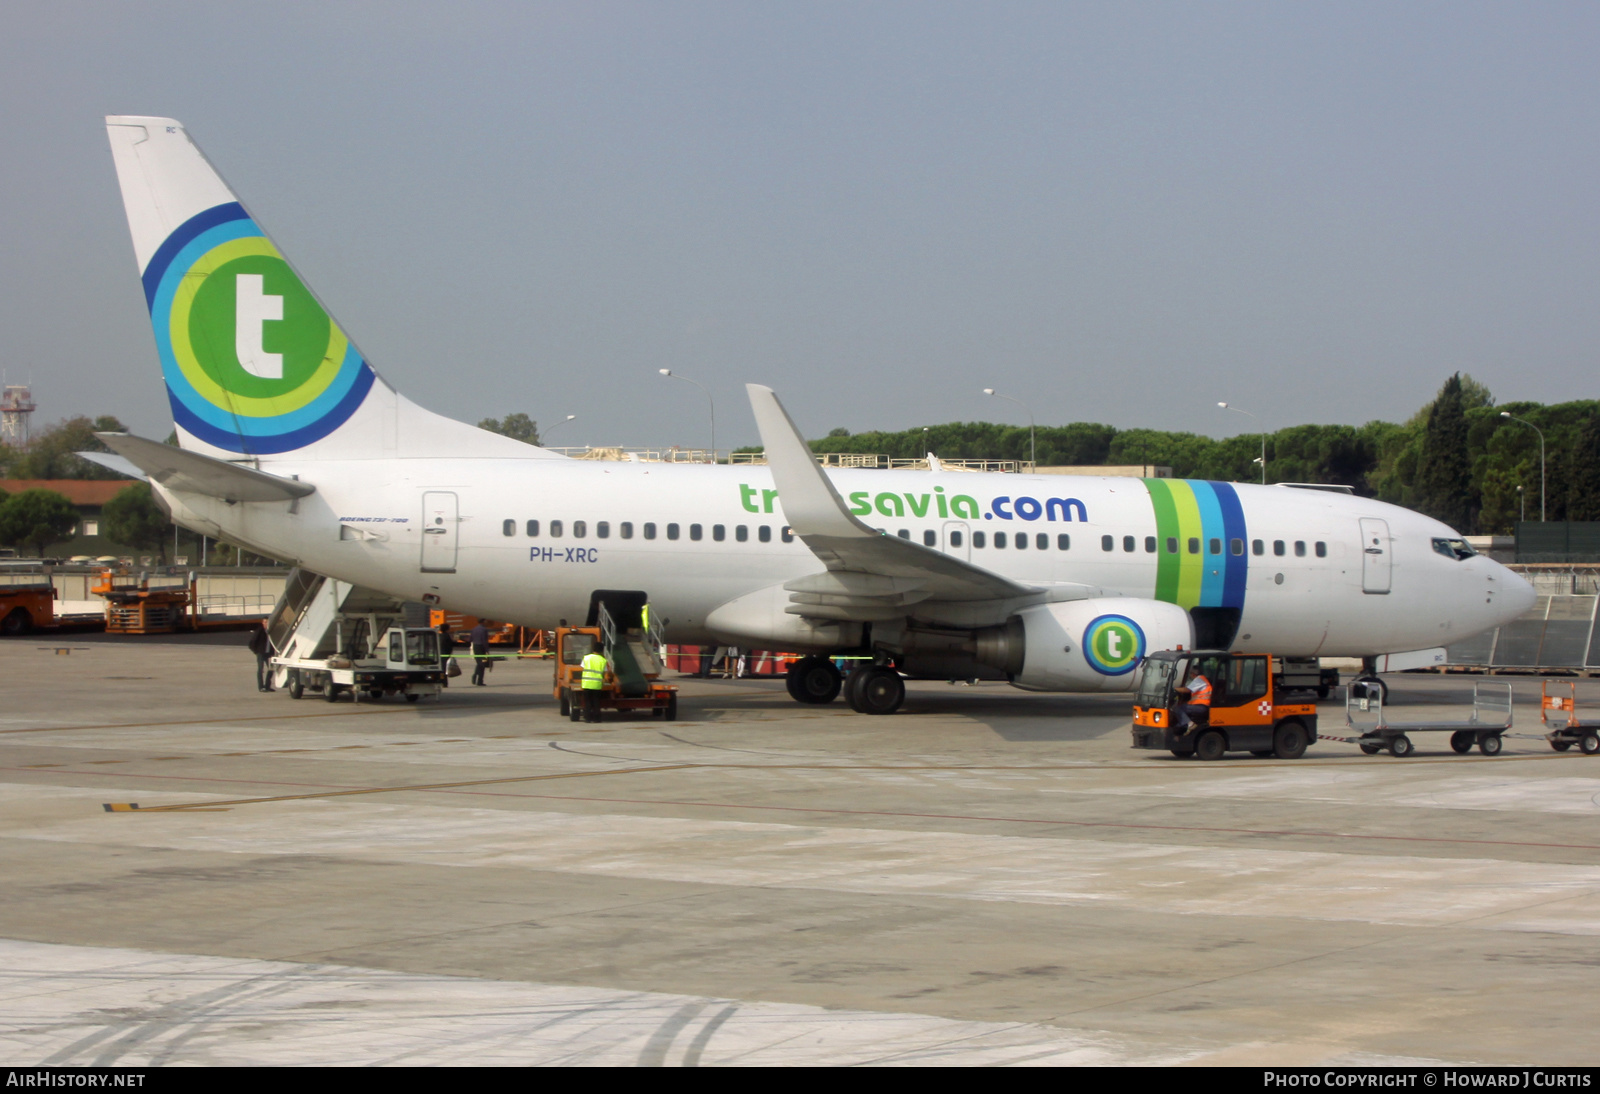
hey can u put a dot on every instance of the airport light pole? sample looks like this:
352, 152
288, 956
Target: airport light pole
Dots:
555, 427
1263, 460
1033, 455
1536, 429
669, 374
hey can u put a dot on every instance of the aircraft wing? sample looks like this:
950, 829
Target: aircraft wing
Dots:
867, 572
193, 473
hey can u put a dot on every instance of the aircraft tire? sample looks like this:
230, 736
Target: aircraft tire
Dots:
1289, 740
881, 691
1462, 741
813, 680
1589, 743
1489, 744
1211, 745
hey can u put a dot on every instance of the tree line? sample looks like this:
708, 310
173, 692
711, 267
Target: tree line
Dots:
1458, 458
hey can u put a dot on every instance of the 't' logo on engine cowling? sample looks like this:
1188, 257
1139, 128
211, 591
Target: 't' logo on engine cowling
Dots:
1113, 644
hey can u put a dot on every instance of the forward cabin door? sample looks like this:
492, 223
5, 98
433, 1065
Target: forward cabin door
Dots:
1377, 560
441, 521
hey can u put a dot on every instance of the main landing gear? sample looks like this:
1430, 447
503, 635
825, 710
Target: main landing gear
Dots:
869, 689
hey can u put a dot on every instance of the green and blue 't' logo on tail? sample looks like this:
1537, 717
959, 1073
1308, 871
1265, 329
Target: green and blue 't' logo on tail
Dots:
253, 363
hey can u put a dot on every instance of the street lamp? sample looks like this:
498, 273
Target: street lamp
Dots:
557, 426
1536, 429
1033, 455
1263, 460
669, 374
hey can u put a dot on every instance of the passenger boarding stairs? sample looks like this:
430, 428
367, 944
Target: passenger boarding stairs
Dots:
318, 618
633, 654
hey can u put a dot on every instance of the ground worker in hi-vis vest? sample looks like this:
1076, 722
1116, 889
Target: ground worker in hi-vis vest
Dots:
594, 679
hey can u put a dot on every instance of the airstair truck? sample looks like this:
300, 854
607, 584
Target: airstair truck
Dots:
332, 637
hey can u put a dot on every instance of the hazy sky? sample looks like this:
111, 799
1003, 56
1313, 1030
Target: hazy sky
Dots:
1118, 212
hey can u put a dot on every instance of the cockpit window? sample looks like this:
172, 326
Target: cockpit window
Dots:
1457, 549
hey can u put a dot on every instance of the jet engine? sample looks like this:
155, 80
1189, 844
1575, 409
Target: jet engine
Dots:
1083, 645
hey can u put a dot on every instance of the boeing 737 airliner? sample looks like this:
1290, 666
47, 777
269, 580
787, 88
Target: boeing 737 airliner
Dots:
292, 445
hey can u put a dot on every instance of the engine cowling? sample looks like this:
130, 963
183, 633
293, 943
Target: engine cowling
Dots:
1091, 645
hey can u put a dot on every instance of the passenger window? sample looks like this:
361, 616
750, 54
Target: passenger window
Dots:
1107, 544
1322, 549
786, 534
602, 529
533, 529
1041, 541
1277, 547
1127, 543
903, 534
508, 527
999, 539
1216, 546
650, 530
980, 539
625, 529
555, 529
741, 533
580, 528
719, 532
1299, 548
695, 532
1258, 547
1236, 546
1063, 542
1194, 546
955, 539
1172, 545
1022, 541
764, 533
1149, 545
930, 538
672, 531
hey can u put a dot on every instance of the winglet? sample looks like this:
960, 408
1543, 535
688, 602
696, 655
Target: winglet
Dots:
810, 503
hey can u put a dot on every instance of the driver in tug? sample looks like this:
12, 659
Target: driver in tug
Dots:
1194, 706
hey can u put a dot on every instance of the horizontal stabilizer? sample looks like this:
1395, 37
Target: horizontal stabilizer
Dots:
192, 473
120, 464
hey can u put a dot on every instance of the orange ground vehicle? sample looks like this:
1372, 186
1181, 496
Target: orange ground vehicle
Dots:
26, 604
1559, 713
1249, 712
630, 682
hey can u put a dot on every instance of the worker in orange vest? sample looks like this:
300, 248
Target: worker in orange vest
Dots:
1195, 708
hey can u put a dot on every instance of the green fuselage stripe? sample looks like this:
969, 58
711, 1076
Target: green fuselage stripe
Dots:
1166, 528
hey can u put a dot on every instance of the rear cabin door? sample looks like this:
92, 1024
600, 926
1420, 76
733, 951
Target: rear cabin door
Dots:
958, 540
1377, 560
441, 522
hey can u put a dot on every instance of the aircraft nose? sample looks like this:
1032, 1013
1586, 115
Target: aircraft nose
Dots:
1511, 594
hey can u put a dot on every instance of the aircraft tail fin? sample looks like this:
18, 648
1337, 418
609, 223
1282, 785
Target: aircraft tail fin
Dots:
255, 365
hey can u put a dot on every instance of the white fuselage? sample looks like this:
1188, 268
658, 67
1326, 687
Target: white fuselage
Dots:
368, 523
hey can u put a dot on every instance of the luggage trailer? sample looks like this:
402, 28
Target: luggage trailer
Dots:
1489, 722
